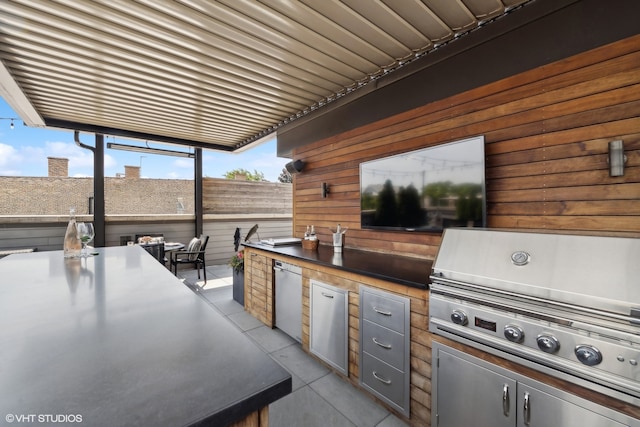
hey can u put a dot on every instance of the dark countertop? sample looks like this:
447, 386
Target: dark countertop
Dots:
406, 271
119, 341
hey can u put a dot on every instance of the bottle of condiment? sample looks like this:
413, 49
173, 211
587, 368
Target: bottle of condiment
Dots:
312, 234
307, 233
72, 244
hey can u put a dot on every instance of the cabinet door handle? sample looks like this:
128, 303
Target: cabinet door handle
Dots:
384, 313
387, 346
326, 295
527, 409
505, 400
379, 378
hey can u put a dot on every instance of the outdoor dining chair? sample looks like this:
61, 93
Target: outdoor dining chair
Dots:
194, 254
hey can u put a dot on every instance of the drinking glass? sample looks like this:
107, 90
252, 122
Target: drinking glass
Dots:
86, 234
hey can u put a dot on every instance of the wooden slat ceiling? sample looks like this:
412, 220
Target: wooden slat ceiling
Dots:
219, 74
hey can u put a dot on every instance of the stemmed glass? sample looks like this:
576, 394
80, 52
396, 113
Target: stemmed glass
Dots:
86, 234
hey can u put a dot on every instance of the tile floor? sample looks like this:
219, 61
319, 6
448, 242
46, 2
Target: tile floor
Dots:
319, 397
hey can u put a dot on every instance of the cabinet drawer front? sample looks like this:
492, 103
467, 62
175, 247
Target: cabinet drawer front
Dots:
384, 310
386, 381
385, 344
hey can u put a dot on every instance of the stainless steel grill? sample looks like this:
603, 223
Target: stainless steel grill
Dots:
566, 305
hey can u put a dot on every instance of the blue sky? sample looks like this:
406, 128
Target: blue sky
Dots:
24, 151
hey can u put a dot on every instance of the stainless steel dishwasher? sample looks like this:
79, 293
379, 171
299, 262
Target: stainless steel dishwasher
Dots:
289, 299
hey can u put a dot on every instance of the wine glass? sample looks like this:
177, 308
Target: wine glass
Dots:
86, 234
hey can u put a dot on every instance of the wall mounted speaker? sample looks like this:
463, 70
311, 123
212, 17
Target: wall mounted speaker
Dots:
295, 166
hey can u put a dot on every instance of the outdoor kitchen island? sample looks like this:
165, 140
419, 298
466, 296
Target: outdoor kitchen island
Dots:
116, 340
350, 300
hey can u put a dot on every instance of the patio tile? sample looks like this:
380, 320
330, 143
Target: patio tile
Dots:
244, 320
227, 306
296, 361
392, 421
304, 407
214, 283
270, 339
220, 271
360, 409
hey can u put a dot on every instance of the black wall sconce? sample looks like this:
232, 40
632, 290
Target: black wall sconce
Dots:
295, 166
325, 190
617, 159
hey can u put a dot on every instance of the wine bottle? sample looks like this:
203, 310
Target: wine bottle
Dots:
72, 244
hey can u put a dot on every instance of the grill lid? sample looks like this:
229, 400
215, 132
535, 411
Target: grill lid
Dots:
595, 272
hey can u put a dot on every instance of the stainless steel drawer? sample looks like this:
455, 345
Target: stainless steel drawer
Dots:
385, 344
385, 381
387, 310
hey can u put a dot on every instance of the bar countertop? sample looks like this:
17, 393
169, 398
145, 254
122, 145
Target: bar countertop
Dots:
406, 271
117, 340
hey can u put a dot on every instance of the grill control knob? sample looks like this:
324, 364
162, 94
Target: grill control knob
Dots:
588, 354
548, 343
514, 333
459, 317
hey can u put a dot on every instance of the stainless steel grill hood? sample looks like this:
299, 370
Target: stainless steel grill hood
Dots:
601, 273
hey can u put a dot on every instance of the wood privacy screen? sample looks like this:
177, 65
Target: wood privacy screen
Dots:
547, 133
223, 196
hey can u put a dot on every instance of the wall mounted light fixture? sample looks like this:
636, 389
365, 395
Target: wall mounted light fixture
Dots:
295, 166
325, 190
617, 159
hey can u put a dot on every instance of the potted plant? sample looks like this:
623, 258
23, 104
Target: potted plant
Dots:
237, 264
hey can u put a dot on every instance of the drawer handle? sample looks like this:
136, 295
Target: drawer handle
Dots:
387, 346
379, 378
326, 295
384, 313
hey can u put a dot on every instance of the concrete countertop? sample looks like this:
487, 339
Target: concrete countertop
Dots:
118, 340
406, 271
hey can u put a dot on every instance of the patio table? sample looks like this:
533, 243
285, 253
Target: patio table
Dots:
116, 339
173, 246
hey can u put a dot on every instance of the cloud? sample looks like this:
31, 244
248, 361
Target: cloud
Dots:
80, 159
183, 163
9, 158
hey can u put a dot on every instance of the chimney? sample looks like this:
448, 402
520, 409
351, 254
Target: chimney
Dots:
132, 172
58, 166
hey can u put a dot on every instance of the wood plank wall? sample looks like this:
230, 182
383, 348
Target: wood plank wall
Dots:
546, 131
224, 196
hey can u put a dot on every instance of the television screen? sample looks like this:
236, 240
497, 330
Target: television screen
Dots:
425, 190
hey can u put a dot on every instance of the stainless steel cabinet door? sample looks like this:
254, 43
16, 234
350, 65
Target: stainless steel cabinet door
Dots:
470, 395
288, 301
537, 408
329, 325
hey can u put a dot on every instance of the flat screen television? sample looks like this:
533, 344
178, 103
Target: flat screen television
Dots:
426, 190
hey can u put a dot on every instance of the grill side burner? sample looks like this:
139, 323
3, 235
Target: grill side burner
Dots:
565, 305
